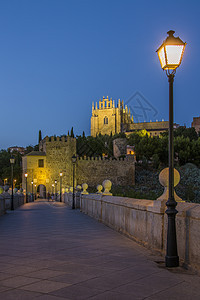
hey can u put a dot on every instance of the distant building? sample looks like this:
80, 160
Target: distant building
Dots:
196, 123
43, 167
107, 119
21, 150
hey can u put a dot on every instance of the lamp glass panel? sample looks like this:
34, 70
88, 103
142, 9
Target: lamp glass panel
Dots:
161, 55
174, 54
12, 160
73, 159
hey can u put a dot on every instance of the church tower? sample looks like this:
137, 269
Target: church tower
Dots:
107, 119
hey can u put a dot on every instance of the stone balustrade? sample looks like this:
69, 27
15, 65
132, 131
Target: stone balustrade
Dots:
145, 221
5, 201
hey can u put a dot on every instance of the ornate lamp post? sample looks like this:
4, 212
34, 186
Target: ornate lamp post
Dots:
61, 174
32, 190
35, 192
74, 163
170, 54
56, 190
12, 161
26, 175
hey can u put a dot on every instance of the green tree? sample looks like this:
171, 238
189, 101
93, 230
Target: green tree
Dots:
40, 136
72, 132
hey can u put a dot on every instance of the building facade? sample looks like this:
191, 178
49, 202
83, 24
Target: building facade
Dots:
107, 119
55, 157
196, 124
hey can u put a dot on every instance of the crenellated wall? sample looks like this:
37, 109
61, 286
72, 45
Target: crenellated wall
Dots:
145, 221
95, 169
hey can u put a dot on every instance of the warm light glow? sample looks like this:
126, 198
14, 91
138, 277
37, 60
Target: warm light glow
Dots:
61, 174
31, 182
12, 160
55, 181
171, 51
26, 175
161, 55
174, 54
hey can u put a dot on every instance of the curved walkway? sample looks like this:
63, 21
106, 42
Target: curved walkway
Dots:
49, 251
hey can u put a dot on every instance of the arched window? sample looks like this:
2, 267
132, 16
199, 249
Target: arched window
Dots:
106, 120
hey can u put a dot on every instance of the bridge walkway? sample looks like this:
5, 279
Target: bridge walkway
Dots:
48, 251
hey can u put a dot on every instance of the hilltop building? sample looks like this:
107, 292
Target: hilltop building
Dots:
196, 124
107, 118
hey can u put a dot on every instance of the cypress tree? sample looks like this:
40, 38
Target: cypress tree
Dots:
72, 132
40, 136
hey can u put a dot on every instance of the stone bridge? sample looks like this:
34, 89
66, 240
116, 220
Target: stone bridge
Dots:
49, 251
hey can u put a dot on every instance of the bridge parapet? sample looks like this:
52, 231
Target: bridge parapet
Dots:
145, 221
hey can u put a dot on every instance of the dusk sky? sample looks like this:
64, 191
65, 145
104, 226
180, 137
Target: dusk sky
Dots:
57, 56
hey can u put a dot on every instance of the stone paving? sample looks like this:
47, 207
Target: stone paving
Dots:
50, 252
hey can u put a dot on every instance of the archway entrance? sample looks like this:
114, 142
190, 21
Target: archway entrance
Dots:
41, 191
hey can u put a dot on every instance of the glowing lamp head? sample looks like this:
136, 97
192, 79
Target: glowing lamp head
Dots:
171, 51
12, 160
31, 182
26, 175
61, 174
74, 159
55, 181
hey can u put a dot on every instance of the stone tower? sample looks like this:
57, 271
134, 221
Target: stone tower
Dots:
107, 118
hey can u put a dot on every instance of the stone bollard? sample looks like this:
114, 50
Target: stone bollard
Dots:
77, 196
7, 197
84, 187
99, 189
79, 187
107, 184
15, 198
2, 202
21, 196
164, 181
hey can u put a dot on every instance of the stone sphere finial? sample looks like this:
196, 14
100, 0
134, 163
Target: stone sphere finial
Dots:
21, 190
107, 184
99, 189
15, 190
84, 187
6, 188
71, 189
79, 187
164, 181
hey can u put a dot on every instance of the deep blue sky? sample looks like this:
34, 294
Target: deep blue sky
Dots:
57, 56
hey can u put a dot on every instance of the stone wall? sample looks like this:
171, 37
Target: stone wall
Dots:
145, 221
119, 147
5, 201
94, 171
58, 158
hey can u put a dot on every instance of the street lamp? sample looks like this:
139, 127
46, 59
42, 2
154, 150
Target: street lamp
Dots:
26, 175
32, 190
170, 54
74, 163
35, 192
55, 190
12, 161
61, 174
